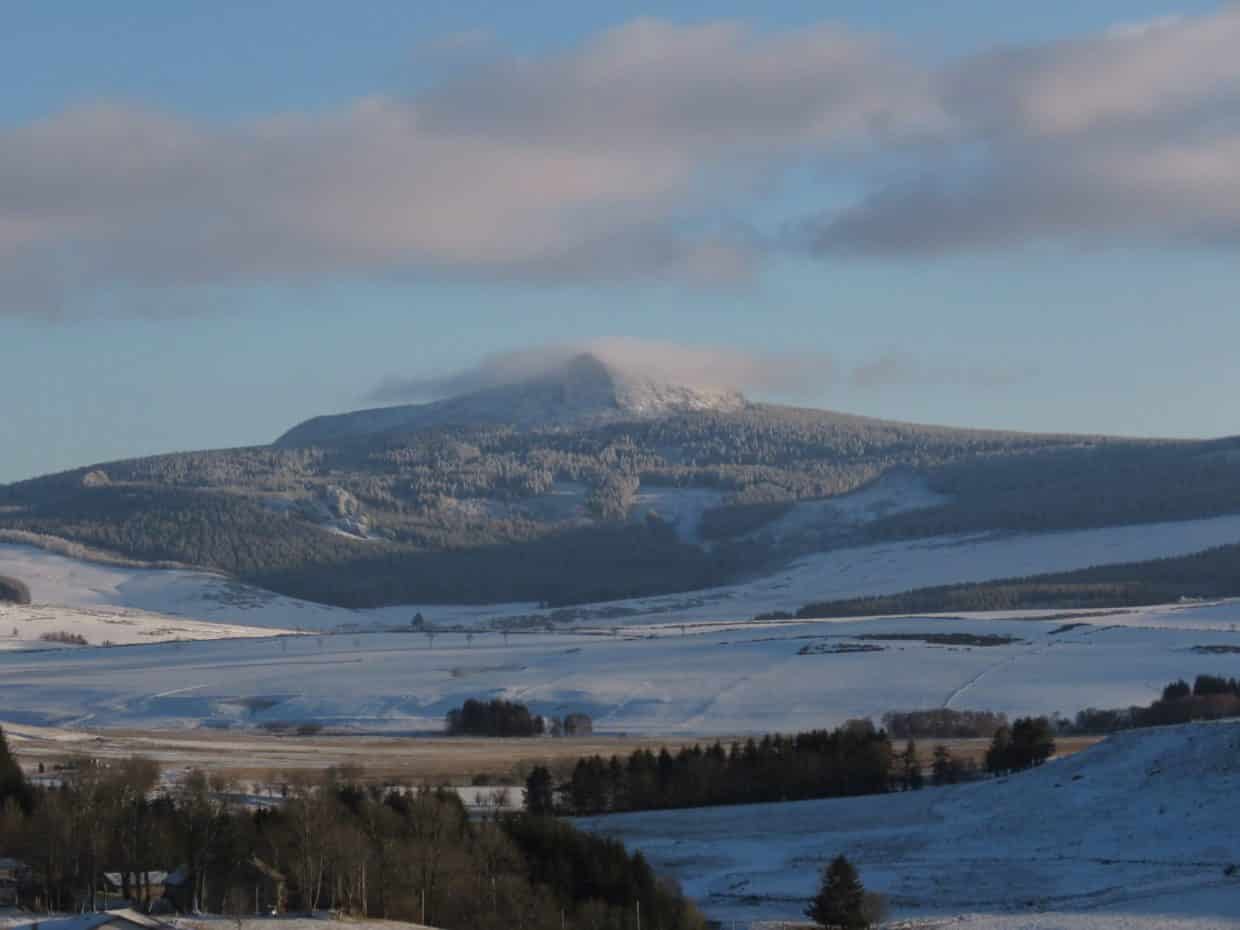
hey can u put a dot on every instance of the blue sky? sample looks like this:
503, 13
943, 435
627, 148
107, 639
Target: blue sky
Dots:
216, 221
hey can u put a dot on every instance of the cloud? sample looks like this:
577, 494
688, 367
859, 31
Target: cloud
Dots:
705, 367
589, 164
638, 154
788, 375
1130, 136
900, 369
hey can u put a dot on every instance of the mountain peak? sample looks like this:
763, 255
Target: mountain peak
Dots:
583, 389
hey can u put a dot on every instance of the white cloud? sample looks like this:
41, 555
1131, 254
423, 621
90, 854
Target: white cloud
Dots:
580, 165
1126, 137
608, 160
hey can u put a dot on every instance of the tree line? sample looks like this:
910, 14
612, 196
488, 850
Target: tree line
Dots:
853, 759
1211, 573
335, 844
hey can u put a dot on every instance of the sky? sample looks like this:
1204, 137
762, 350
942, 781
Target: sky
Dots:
217, 220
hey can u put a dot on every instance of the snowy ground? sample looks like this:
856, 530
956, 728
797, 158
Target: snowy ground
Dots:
709, 679
852, 572
1133, 833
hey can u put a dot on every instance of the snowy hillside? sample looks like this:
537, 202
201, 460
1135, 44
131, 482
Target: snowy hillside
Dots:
35, 626
677, 679
1136, 832
850, 572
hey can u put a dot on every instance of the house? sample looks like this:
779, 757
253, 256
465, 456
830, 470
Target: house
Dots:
252, 883
13, 873
119, 888
124, 919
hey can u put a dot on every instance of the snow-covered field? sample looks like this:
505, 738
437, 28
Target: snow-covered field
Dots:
21, 627
66, 582
1135, 832
841, 573
709, 679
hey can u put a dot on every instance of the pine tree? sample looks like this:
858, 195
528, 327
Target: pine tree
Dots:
12, 779
539, 791
913, 779
944, 767
840, 901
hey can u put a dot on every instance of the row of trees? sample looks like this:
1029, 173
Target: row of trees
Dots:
334, 844
851, 760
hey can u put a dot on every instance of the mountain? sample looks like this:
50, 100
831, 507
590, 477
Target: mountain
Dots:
583, 390
587, 483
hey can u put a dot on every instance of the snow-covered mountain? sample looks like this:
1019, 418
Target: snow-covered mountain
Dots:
584, 390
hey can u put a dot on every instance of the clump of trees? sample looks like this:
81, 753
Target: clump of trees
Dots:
14, 590
336, 843
842, 903
850, 760
493, 718
1028, 742
1209, 697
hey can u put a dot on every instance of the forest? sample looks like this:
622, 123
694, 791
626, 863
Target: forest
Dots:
329, 844
1209, 697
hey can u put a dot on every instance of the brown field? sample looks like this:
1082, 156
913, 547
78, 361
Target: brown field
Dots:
408, 760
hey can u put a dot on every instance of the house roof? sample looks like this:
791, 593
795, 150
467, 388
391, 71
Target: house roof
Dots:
123, 919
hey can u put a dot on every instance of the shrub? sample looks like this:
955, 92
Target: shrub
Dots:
60, 636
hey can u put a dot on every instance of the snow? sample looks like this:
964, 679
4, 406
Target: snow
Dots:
710, 679
1134, 832
894, 492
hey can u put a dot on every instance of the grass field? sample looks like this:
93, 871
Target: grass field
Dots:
257, 757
